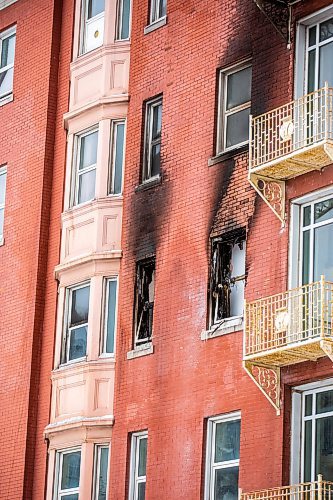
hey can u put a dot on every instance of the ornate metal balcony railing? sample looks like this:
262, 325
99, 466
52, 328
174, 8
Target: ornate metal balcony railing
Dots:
316, 490
285, 329
289, 141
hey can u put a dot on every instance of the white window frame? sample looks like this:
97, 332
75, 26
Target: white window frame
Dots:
97, 466
211, 467
148, 141
153, 11
6, 34
67, 329
105, 317
76, 165
135, 479
223, 113
301, 63
58, 493
119, 26
114, 132
297, 425
84, 22
295, 243
3, 171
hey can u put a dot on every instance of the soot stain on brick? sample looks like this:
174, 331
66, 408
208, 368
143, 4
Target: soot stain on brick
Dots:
221, 187
148, 211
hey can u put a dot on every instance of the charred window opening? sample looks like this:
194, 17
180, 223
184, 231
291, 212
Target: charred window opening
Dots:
145, 292
227, 279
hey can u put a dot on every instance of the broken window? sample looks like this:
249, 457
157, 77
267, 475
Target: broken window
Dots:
227, 278
145, 287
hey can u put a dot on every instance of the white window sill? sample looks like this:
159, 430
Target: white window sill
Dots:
107, 355
142, 350
155, 25
149, 183
229, 325
6, 99
72, 362
2, 241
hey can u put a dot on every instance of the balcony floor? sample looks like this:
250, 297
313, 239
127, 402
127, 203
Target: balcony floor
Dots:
291, 354
298, 162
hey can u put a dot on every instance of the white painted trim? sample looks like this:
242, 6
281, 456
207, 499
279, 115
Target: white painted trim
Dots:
119, 23
141, 350
297, 425
209, 465
97, 465
230, 325
6, 3
57, 494
294, 267
134, 463
162, 21
224, 73
105, 303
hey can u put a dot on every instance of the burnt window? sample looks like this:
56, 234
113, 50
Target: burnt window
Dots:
145, 292
227, 279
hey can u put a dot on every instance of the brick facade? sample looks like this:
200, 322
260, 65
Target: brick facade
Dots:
173, 391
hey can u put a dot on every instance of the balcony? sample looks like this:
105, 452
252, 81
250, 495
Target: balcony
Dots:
316, 490
284, 329
289, 141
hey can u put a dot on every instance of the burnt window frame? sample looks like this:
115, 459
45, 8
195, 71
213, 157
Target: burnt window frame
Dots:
141, 265
148, 141
229, 239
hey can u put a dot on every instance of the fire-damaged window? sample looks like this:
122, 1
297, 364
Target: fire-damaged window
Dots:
145, 292
227, 279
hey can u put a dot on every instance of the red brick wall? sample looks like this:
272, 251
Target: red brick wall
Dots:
27, 140
186, 380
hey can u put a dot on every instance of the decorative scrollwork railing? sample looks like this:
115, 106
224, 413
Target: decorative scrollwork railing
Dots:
316, 490
299, 124
293, 317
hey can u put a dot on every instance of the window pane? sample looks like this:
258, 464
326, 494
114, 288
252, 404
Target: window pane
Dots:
74, 496
141, 491
239, 88
71, 470
2, 214
324, 448
227, 441
7, 51
157, 121
118, 158
95, 7
308, 405
238, 260
162, 8
88, 150
306, 258
237, 128
125, 19
6, 81
323, 255
111, 316
2, 188
306, 216
87, 182
307, 450
326, 30
312, 35
142, 457
226, 484
237, 298
326, 65
311, 70
103, 473
155, 160
324, 402
323, 210
80, 305
78, 343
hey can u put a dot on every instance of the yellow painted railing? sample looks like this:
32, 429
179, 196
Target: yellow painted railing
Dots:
298, 316
316, 490
298, 125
